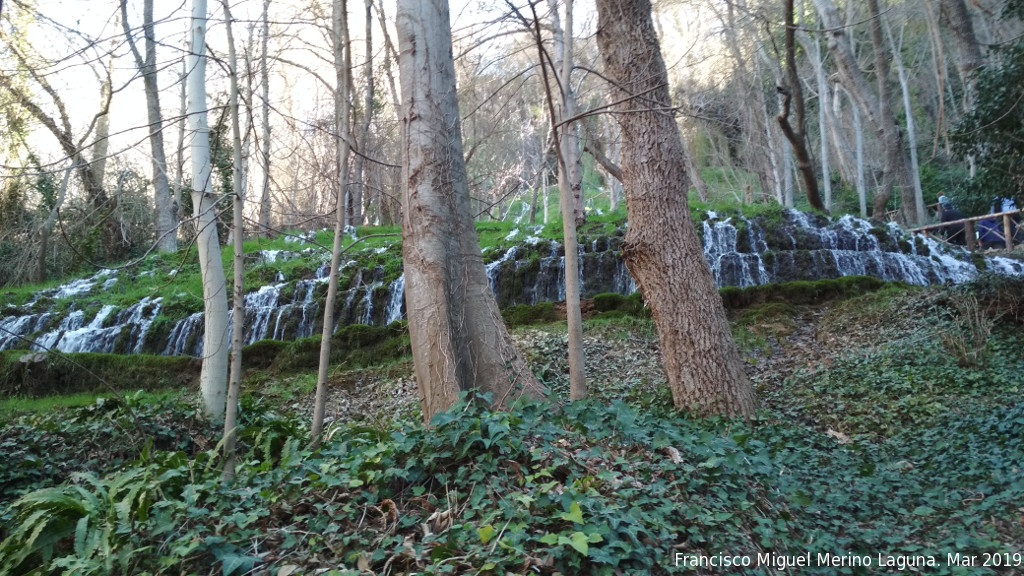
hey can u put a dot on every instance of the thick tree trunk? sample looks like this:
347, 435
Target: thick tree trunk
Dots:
969, 50
459, 341
213, 377
661, 249
166, 219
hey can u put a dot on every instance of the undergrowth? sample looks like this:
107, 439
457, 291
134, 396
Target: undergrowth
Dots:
887, 446
583, 489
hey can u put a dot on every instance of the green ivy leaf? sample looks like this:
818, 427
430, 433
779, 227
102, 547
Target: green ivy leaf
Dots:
485, 533
579, 541
574, 515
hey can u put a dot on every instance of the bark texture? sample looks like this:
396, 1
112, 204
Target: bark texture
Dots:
459, 341
661, 249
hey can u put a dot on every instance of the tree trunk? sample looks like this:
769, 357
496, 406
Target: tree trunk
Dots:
238, 292
265, 205
166, 220
823, 124
661, 249
182, 122
364, 129
459, 341
47, 226
970, 59
793, 95
567, 198
342, 61
908, 112
570, 141
213, 377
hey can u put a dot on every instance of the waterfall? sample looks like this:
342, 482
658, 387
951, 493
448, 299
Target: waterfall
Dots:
740, 252
396, 301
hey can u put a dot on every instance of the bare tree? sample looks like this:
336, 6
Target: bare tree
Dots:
265, 204
342, 62
661, 249
238, 240
166, 220
569, 189
793, 95
875, 106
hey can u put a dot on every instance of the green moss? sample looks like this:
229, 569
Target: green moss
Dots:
608, 302
802, 292
979, 261
48, 374
356, 345
523, 315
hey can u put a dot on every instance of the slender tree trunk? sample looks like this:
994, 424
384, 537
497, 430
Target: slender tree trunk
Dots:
908, 111
47, 226
793, 95
166, 221
459, 341
661, 249
570, 141
360, 170
823, 125
826, 123
342, 60
265, 204
567, 196
238, 296
213, 377
862, 184
176, 201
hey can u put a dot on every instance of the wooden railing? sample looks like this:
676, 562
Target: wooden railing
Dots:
969, 229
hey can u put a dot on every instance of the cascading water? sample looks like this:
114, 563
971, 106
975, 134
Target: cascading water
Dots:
740, 252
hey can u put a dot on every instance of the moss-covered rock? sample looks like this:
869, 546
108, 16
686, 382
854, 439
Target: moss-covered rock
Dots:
36, 374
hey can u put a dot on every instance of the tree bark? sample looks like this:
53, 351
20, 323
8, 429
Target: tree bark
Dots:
908, 114
213, 376
661, 249
166, 220
459, 341
567, 108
